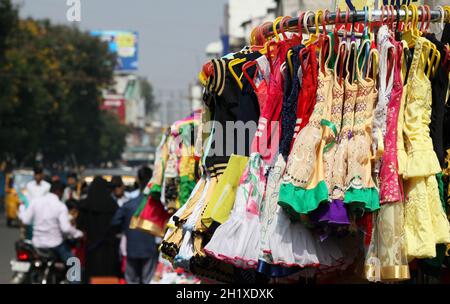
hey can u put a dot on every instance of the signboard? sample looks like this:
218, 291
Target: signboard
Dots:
116, 106
124, 44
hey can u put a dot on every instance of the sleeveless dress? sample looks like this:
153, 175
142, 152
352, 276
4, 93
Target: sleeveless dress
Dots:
302, 188
401, 152
267, 137
362, 192
426, 223
307, 94
340, 166
237, 240
390, 184
384, 95
388, 245
337, 105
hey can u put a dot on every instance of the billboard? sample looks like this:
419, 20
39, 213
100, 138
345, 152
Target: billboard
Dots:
114, 105
124, 44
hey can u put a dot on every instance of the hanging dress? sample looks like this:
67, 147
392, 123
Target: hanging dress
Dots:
362, 192
340, 165
237, 240
388, 246
384, 45
402, 157
302, 188
335, 122
390, 183
426, 223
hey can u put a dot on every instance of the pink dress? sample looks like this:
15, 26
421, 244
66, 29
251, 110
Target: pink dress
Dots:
390, 183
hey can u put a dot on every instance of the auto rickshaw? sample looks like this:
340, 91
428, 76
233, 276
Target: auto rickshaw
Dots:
16, 183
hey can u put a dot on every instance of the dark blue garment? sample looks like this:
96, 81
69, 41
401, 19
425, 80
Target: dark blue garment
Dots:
289, 105
140, 244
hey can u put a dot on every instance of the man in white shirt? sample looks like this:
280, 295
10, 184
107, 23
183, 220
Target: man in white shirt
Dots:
51, 222
37, 187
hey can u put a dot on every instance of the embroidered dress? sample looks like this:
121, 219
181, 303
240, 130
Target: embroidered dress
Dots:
340, 166
384, 95
388, 246
362, 192
337, 105
303, 187
288, 247
390, 184
426, 223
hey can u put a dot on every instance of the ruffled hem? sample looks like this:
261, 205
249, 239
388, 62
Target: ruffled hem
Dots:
297, 201
244, 263
421, 164
249, 263
333, 213
367, 198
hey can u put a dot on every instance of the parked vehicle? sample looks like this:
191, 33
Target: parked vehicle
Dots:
128, 175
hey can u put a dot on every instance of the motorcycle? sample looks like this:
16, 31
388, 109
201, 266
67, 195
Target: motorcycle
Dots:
37, 266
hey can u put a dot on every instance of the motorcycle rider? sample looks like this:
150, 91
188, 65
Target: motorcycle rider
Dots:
51, 221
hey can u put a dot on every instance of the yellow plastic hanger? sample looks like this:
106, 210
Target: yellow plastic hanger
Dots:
374, 59
411, 32
274, 28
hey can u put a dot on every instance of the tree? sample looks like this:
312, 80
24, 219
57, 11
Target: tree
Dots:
51, 82
147, 94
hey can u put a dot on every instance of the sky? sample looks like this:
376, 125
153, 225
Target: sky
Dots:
173, 34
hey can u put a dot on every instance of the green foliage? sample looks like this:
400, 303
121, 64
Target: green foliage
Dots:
147, 94
51, 81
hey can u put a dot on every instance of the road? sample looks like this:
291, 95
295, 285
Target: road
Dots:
8, 236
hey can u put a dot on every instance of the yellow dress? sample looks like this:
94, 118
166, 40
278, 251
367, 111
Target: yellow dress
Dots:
426, 223
222, 200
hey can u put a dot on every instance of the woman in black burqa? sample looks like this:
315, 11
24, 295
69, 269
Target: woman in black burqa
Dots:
96, 212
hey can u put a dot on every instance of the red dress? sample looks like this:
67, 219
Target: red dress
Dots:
267, 137
308, 91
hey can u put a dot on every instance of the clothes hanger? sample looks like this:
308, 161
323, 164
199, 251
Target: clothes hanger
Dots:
239, 61
352, 52
436, 54
325, 44
340, 62
299, 38
412, 34
365, 44
312, 37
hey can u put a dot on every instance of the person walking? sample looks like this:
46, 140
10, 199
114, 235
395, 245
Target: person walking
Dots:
141, 248
94, 219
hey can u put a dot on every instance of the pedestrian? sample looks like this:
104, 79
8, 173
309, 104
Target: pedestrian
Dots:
141, 248
38, 187
118, 190
71, 192
94, 219
51, 221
